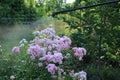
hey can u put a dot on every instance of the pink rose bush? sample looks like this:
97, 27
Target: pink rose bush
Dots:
47, 48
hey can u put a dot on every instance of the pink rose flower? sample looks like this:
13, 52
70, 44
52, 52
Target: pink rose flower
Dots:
32, 57
38, 42
36, 50
52, 68
79, 52
16, 49
57, 58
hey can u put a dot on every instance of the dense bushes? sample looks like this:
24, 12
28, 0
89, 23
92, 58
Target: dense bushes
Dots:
13, 12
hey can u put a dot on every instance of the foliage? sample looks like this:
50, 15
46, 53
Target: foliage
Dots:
96, 30
15, 11
27, 11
